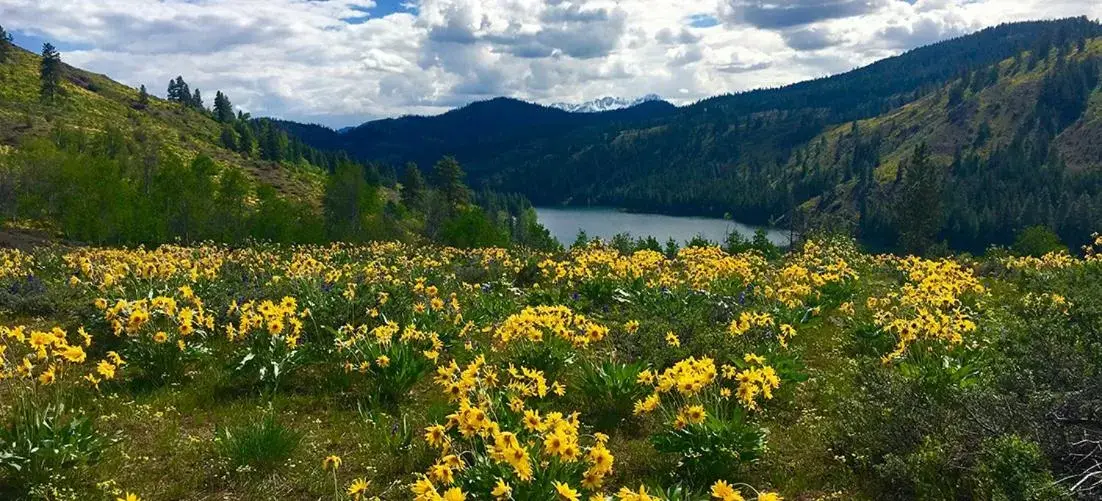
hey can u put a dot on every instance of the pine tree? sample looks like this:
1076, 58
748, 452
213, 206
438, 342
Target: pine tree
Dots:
413, 187
228, 138
173, 94
223, 109
183, 93
50, 73
178, 92
197, 100
5, 46
143, 98
273, 143
448, 179
919, 213
246, 140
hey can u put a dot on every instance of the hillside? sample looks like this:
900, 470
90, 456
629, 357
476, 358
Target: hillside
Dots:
101, 163
760, 155
94, 103
1017, 142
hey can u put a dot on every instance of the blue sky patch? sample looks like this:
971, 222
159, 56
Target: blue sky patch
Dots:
382, 8
703, 21
33, 42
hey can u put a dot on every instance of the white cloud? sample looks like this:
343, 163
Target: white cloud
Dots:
340, 62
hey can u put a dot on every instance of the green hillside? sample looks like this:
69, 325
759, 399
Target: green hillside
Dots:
1017, 141
94, 103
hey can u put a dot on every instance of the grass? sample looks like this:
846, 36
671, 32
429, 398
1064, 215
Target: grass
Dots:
261, 446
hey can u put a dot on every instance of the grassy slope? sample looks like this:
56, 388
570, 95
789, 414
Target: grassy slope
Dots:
95, 102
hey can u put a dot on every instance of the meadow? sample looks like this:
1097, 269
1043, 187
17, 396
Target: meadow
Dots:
400, 371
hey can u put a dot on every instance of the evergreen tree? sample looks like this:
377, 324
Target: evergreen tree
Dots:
348, 202
173, 94
223, 109
919, 215
413, 187
448, 180
197, 100
5, 46
50, 72
228, 138
143, 98
246, 141
178, 92
273, 142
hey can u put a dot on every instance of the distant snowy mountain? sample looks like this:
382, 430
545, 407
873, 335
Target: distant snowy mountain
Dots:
605, 104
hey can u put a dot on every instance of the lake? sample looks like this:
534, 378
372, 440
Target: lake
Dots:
605, 223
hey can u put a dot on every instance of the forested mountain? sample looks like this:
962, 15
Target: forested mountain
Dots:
472, 133
1010, 114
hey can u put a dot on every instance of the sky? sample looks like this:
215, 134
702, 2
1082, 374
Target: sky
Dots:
343, 62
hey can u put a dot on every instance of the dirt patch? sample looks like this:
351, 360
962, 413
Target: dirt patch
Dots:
27, 239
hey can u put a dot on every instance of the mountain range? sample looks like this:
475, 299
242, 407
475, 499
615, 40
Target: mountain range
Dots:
607, 103
1011, 117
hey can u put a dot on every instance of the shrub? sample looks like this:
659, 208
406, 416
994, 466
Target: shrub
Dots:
1013, 469
269, 334
1037, 241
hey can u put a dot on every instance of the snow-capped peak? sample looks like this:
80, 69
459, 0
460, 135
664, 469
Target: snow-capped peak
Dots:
605, 104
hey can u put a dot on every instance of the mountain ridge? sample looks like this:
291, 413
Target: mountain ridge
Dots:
488, 125
607, 103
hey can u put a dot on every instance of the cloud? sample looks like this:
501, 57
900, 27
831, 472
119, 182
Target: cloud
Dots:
683, 36
925, 29
341, 62
771, 14
811, 39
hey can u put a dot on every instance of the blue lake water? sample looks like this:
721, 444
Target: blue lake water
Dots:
605, 223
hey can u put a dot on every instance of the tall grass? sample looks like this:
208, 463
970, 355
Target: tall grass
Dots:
258, 446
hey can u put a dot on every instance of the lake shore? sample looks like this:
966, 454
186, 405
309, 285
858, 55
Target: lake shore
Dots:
564, 223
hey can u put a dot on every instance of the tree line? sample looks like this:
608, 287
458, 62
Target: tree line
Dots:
117, 188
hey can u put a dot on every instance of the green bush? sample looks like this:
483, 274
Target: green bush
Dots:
1037, 241
1013, 469
393, 383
